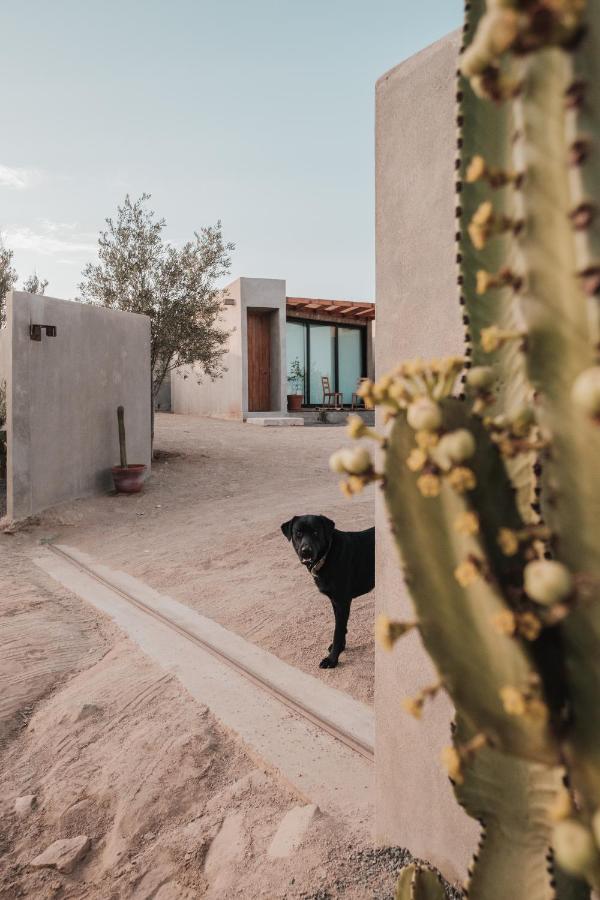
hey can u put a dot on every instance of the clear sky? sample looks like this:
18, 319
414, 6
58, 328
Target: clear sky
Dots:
257, 112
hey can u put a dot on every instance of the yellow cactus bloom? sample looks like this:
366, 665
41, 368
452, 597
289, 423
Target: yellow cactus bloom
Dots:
482, 225
466, 573
356, 483
452, 763
537, 709
508, 541
365, 388
426, 439
493, 338
513, 701
484, 213
462, 479
574, 847
529, 626
467, 523
356, 427
562, 807
345, 489
483, 281
504, 622
476, 169
387, 631
414, 706
416, 460
429, 485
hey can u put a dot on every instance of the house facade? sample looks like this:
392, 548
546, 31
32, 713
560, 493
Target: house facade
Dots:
272, 337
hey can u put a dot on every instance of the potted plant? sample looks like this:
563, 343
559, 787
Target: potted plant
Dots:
296, 383
128, 479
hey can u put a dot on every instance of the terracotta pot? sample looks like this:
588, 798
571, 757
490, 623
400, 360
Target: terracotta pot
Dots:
295, 402
129, 479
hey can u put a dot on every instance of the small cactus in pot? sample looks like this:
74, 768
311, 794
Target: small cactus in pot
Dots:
127, 478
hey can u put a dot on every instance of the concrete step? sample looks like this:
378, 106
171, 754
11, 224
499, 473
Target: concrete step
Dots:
274, 420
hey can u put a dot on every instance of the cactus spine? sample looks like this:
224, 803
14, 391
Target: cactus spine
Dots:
495, 497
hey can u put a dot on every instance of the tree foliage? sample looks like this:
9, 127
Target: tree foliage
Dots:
35, 285
138, 271
8, 277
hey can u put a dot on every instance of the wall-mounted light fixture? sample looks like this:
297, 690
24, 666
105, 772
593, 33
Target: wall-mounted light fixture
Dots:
35, 331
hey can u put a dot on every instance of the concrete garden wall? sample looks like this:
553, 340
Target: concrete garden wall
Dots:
63, 394
417, 315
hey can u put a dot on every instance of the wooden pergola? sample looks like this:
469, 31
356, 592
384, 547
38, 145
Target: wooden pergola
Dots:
329, 310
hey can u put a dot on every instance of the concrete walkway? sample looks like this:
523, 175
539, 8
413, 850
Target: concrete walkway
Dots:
323, 769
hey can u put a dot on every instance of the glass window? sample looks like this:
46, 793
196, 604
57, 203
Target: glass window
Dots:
318, 344
322, 359
349, 361
295, 350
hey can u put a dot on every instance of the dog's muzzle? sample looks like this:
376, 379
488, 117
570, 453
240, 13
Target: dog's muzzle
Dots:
306, 556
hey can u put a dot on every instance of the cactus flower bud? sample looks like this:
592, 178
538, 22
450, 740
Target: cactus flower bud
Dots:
356, 427
455, 447
497, 30
336, 462
476, 169
596, 826
547, 581
358, 461
424, 414
586, 392
429, 485
574, 847
522, 420
480, 378
452, 763
387, 631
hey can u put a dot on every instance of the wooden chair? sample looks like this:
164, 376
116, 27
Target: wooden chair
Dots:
328, 394
357, 400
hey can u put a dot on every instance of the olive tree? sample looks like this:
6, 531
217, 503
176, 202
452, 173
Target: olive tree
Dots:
8, 277
35, 285
139, 271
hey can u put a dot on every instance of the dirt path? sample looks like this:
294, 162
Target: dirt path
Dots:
113, 748
207, 531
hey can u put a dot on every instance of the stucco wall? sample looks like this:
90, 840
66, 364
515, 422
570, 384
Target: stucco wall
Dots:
63, 394
227, 397
417, 315
4, 338
267, 293
195, 394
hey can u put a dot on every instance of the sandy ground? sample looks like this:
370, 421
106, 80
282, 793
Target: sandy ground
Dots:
116, 750
207, 531
113, 748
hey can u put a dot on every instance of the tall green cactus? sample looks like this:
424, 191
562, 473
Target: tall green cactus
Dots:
494, 498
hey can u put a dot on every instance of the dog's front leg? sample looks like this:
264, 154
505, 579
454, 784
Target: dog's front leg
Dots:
341, 611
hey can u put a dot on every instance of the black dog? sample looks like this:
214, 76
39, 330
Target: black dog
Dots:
342, 564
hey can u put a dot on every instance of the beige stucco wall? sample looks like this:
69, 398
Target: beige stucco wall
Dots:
227, 397
4, 354
417, 315
63, 394
267, 293
195, 394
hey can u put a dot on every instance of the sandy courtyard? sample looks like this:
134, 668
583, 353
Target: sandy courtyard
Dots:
114, 748
207, 531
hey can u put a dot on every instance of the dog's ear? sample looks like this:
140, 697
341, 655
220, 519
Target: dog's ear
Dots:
328, 525
287, 528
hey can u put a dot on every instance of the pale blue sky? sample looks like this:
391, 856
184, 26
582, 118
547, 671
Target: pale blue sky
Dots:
258, 112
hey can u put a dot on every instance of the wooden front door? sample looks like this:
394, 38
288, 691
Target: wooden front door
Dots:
259, 361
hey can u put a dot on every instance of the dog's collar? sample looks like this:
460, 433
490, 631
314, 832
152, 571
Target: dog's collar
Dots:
320, 563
